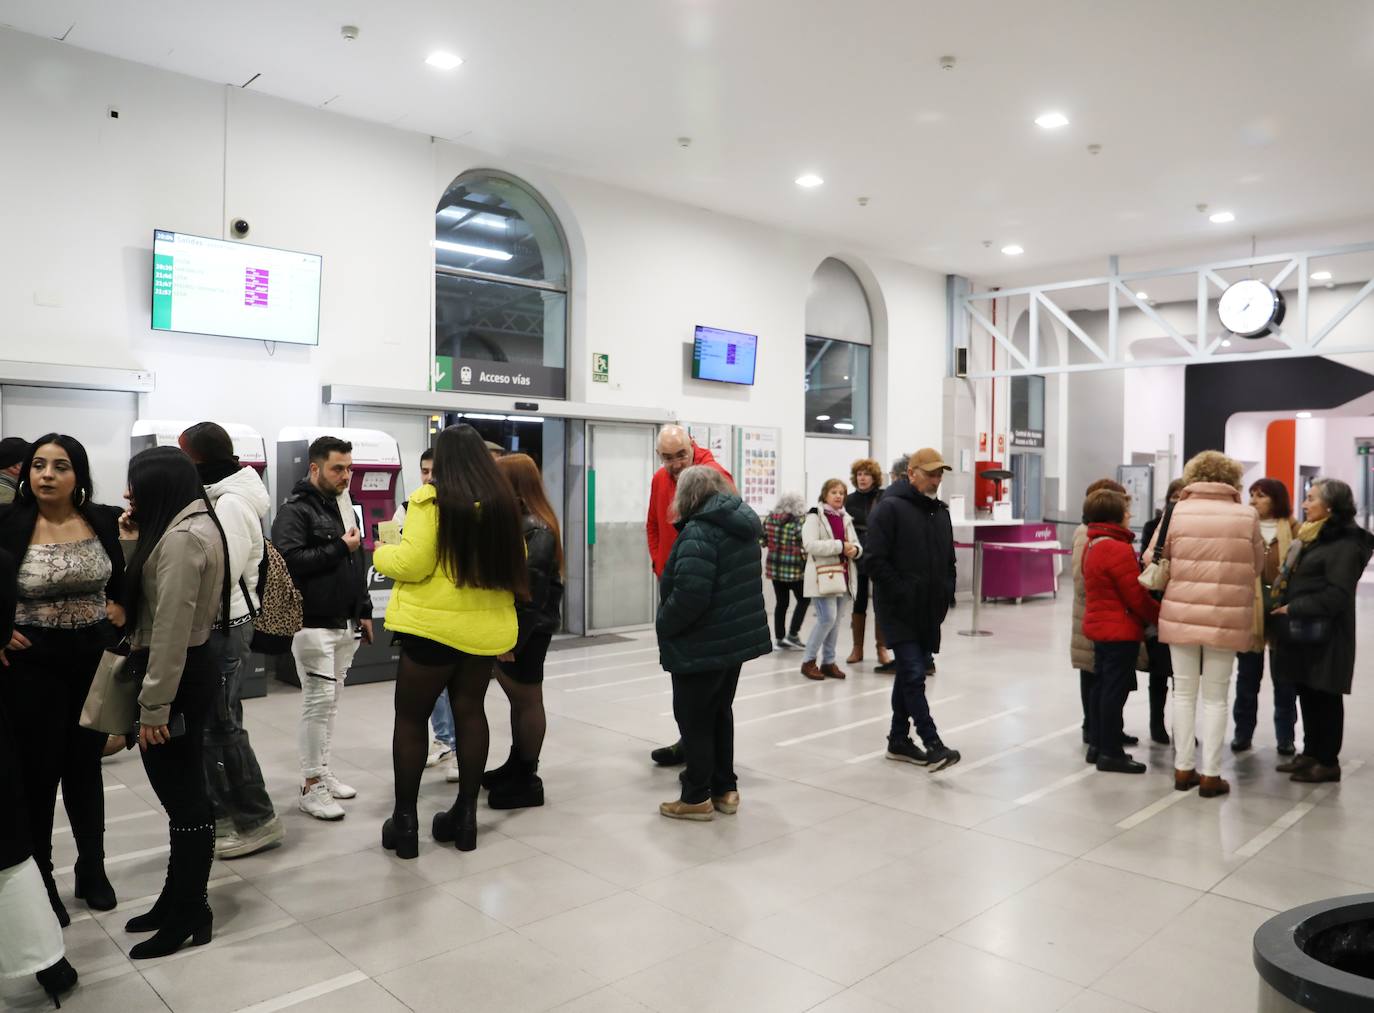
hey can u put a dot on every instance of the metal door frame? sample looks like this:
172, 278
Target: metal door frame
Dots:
589, 525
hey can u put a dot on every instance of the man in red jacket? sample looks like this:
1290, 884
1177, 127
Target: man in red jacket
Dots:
678, 452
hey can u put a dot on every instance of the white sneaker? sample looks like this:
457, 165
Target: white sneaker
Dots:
236, 845
451, 769
438, 753
336, 787
317, 802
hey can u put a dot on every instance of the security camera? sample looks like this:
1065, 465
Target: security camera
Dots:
240, 227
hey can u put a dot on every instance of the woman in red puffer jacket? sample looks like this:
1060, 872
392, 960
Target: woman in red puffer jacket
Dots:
1116, 612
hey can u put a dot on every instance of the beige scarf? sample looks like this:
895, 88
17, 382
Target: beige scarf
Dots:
1284, 539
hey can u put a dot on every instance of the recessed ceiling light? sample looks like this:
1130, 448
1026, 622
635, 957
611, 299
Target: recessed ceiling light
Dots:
1226, 343
1321, 275
1052, 121
1221, 217
822, 418
1304, 415
1142, 295
809, 180
844, 425
442, 60
1012, 250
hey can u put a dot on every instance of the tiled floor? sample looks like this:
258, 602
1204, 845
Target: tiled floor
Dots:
1019, 880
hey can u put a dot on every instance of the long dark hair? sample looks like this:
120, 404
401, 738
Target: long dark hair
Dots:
481, 543
1282, 507
162, 482
524, 478
81, 464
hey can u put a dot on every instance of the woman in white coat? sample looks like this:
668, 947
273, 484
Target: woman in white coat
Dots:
831, 578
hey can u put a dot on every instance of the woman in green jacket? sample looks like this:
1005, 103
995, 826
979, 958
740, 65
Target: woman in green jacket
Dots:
458, 570
711, 620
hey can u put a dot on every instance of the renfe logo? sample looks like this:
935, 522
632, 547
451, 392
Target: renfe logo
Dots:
465, 375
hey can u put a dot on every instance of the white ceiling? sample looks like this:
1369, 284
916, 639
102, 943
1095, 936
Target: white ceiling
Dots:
1257, 106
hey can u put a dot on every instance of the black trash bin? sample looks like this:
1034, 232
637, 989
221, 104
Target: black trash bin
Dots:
1318, 957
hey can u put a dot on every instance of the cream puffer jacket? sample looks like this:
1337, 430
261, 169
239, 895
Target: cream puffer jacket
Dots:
1215, 552
1080, 647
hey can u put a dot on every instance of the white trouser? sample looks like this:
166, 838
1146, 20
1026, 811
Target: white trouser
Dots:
1209, 667
322, 659
30, 938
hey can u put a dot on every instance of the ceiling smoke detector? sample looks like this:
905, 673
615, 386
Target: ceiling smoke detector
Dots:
863, 202
947, 63
349, 32
684, 142
1094, 149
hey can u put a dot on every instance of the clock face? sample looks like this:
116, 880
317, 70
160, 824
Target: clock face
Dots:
1248, 307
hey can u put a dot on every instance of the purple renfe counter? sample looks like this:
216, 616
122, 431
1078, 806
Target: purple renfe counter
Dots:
1018, 574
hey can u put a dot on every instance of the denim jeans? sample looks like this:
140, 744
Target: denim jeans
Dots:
909, 706
831, 612
238, 794
322, 660
441, 720
1249, 675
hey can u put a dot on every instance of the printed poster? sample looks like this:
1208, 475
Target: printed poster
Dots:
759, 472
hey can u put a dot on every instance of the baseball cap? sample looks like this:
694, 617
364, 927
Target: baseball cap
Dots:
13, 449
928, 459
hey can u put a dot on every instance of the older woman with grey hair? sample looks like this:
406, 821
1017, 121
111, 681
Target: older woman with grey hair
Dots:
785, 566
1315, 624
711, 620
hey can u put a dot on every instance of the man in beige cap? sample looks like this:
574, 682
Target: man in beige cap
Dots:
910, 557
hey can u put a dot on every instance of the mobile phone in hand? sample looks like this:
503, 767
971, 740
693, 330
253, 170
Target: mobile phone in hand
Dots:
176, 727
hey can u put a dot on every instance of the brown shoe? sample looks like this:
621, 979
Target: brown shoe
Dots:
810, 670
1186, 780
857, 628
1211, 787
679, 810
1297, 763
833, 671
728, 804
1317, 773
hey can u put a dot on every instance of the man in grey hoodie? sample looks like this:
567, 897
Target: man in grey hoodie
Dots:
245, 821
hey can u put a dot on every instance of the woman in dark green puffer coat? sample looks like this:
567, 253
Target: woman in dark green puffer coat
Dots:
711, 620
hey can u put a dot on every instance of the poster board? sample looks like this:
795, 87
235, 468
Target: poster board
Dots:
759, 459
718, 439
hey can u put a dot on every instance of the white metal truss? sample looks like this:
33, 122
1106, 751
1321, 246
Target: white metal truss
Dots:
1296, 332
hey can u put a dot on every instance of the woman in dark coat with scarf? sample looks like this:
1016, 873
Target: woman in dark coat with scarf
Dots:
1315, 635
866, 476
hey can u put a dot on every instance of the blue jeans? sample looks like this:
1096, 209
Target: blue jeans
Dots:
831, 613
238, 793
441, 720
1249, 674
909, 706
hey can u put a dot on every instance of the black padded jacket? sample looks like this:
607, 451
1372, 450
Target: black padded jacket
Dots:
308, 532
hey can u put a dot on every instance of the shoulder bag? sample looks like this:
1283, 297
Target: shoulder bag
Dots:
1155, 576
112, 704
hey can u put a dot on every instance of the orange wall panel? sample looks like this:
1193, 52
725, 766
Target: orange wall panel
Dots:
1281, 452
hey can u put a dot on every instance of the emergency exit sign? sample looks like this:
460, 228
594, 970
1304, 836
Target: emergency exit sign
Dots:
1364, 449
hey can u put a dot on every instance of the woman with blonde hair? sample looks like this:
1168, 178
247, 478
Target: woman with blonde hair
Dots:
867, 476
1215, 554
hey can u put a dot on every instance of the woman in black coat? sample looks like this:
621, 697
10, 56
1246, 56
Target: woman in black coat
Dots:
70, 581
711, 620
1315, 647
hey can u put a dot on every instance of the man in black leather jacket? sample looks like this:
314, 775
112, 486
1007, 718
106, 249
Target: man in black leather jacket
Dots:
316, 533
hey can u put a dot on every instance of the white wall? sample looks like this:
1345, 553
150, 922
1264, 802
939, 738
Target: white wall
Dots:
189, 156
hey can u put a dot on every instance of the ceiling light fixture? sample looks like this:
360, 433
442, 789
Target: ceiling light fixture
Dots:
822, 418
809, 180
1051, 121
1304, 415
487, 418
846, 426
1321, 275
443, 61
1142, 295
1225, 342
1221, 218
472, 251
1012, 250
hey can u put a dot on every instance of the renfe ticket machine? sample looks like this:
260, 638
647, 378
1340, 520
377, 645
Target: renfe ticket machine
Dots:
376, 474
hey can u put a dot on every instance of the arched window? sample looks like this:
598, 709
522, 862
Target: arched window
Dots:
839, 333
500, 289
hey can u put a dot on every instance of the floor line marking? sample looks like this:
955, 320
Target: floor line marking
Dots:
108, 787
132, 856
617, 654
742, 678
834, 731
1063, 782
656, 675
220, 942
809, 707
948, 731
137, 902
598, 670
1269, 834
301, 995
1153, 809
960, 768
111, 820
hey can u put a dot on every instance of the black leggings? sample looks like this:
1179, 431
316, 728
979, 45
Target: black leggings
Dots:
176, 768
418, 686
861, 595
781, 589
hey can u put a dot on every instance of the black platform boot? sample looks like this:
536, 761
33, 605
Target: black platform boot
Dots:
503, 773
401, 834
458, 824
189, 916
524, 789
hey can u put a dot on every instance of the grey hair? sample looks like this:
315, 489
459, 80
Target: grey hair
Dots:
695, 486
1338, 497
790, 503
900, 465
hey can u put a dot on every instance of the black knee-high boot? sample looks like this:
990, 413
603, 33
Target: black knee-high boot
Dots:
1159, 692
188, 915
152, 919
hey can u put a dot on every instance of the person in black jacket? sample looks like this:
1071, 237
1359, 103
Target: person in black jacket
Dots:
866, 475
316, 533
70, 584
711, 620
910, 557
516, 783
1161, 661
1316, 589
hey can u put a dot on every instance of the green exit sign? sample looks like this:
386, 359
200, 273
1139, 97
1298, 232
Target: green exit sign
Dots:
1365, 450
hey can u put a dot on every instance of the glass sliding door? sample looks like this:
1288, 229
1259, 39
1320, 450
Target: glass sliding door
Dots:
621, 466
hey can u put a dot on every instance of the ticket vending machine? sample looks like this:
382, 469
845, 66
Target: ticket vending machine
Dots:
251, 449
376, 475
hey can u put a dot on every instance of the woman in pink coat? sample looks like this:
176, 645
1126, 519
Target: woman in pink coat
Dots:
1215, 552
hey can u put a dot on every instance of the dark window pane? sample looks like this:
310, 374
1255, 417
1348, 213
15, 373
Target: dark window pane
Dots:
836, 387
496, 322
498, 227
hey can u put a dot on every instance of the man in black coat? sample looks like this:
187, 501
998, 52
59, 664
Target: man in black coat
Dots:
910, 557
316, 533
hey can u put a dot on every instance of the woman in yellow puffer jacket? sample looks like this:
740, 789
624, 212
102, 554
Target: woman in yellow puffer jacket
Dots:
458, 570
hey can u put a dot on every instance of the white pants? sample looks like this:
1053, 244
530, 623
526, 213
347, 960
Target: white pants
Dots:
322, 659
1210, 668
30, 938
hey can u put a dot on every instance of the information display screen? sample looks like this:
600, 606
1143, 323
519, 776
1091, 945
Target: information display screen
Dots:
727, 356
212, 286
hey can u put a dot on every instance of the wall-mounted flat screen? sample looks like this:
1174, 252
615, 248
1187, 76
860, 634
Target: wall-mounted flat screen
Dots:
212, 286
726, 356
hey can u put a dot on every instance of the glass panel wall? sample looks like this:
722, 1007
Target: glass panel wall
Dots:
837, 383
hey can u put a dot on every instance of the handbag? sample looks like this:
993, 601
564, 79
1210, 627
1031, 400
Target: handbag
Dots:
831, 580
1302, 631
1155, 576
112, 704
